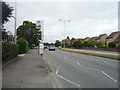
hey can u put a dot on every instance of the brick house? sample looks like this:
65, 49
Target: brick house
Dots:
117, 40
87, 38
81, 39
102, 38
112, 37
93, 38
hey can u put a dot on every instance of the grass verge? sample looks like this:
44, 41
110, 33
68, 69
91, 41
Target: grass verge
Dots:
116, 57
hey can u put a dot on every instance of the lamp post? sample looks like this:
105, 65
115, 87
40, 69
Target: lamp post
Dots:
15, 32
64, 28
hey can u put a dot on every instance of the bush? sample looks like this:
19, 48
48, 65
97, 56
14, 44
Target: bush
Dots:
9, 51
22, 45
112, 45
118, 46
103, 46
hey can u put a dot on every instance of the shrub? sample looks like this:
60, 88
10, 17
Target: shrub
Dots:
112, 44
22, 45
9, 51
118, 46
103, 46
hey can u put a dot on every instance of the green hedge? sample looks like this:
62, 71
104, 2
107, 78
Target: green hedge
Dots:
9, 51
22, 45
118, 46
103, 46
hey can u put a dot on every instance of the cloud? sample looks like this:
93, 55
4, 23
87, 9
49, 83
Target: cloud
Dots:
87, 18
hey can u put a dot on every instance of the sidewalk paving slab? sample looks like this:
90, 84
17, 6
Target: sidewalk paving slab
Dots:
28, 71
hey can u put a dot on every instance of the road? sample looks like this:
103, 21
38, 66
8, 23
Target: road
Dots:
75, 70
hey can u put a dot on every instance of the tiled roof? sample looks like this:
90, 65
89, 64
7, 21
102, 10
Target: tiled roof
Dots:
81, 39
112, 34
93, 38
117, 40
101, 35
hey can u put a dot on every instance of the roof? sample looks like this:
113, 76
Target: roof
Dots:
117, 40
101, 35
81, 39
112, 34
93, 38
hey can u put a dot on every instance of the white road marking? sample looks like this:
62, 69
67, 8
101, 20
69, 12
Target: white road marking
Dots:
21, 55
68, 80
98, 70
107, 62
78, 63
57, 70
87, 67
109, 76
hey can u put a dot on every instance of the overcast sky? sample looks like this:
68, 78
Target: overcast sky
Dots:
88, 19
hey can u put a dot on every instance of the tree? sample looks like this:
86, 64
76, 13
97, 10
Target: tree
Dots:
46, 44
68, 38
89, 43
27, 30
112, 44
22, 45
6, 12
71, 41
57, 43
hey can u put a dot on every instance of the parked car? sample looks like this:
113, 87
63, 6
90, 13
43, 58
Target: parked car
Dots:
51, 48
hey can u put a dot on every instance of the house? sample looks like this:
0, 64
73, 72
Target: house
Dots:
112, 37
102, 38
93, 38
81, 39
10, 38
117, 40
87, 38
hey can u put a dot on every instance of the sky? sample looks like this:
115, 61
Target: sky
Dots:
87, 19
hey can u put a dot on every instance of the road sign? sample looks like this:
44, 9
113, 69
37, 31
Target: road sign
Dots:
38, 25
41, 48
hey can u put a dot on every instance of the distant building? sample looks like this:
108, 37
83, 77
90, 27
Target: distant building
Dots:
117, 40
93, 38
87, 38
112, 37
81, 39
102, 38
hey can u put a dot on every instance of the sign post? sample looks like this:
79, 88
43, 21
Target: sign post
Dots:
39, 27
41, 48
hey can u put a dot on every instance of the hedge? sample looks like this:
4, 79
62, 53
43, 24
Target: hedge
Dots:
22, 45
9, 51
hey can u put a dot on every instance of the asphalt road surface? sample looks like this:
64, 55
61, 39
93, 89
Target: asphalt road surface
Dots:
75, 70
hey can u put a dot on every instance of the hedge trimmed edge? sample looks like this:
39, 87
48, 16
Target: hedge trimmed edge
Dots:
9, 51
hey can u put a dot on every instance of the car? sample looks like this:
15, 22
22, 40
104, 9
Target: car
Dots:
45, 47
51, 48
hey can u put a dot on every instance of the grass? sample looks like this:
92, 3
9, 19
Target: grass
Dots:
116, 57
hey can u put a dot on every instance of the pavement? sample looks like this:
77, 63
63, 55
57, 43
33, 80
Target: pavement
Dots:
26, 71
74, 70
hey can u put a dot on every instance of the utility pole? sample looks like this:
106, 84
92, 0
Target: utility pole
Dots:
64, 28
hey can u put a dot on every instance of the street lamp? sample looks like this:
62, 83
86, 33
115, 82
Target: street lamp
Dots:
64, 27
15, 32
